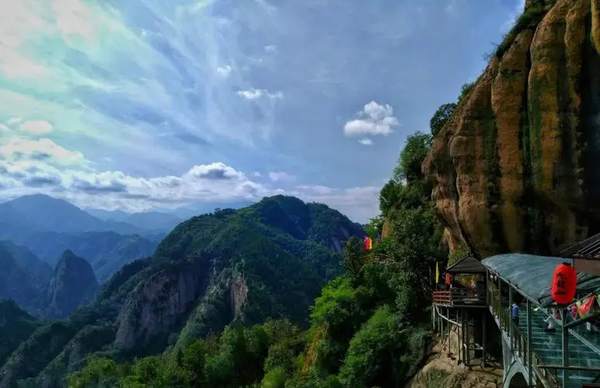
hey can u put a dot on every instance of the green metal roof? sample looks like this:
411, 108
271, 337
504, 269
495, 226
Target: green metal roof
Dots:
532, 275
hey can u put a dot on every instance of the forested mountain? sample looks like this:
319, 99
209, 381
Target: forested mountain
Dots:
269, 260
41, 290
368, 328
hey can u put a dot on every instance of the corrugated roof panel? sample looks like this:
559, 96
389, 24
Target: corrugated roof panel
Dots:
532, 274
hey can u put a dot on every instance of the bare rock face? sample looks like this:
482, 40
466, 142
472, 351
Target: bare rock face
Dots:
513, 169
158, 305
238, 296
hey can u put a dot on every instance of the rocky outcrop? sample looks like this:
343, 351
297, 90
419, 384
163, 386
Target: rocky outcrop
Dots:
513, 169
239, 295
73, 284
159, 305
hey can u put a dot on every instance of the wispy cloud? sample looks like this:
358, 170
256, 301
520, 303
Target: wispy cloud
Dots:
254, 94
280, 176
224, 71
36, 127
366, 141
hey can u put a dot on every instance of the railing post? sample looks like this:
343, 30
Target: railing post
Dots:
510, 326
529, 335
449, 329
467, 339
565, 347
484, 340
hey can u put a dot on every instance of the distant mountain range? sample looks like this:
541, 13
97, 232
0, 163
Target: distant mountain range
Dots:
266, 260
106, 239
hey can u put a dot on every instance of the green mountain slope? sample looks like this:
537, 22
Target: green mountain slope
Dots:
15, 327
267, 260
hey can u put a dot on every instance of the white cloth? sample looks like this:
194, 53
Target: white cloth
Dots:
551, 324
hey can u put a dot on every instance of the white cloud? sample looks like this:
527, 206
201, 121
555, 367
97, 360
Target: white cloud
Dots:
281, 176
4, 128
216, 170
36, 127
206, 182
256, 174
271, 48
254, 94
374, 119
14, 120
18, 149
224, 71
366, 141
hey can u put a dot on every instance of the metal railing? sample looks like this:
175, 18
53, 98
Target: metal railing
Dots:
459, 297
518, 340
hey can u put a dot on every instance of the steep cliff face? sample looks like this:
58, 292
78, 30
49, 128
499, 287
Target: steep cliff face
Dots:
73, 284
513, 169
159, 305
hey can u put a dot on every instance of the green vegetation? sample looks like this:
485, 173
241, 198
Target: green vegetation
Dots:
15, 327
237, 268
527, 20
367, 328
441, 117
445, 111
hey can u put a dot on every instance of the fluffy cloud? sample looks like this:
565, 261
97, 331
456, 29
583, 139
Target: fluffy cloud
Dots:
374, 119
271, 48
36, 127
281, 176
366, 141
216, 170
33, 166
254, 94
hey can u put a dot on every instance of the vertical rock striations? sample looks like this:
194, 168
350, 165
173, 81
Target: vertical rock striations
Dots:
513, 169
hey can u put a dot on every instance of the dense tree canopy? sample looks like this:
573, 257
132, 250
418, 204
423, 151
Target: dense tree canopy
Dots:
441, 117
409, 165
367, 328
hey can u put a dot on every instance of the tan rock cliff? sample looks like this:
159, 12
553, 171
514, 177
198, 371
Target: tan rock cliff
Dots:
514, 168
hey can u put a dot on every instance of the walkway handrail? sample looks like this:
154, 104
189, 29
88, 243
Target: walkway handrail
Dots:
518, 341
459, 296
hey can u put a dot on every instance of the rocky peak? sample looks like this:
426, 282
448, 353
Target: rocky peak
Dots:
73, 284
513, 169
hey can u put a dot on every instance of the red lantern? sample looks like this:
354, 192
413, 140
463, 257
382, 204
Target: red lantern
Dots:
448, 279
564, 284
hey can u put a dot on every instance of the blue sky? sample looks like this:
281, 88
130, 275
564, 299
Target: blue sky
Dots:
139, 104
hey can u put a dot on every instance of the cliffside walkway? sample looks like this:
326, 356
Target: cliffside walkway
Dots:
532, 356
